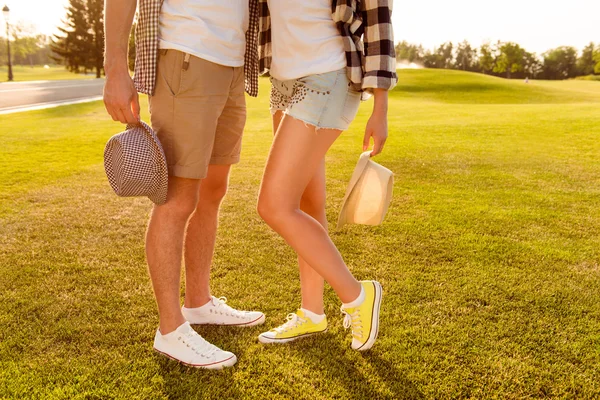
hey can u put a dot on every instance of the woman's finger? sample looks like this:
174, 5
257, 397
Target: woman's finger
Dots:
366, 140
378, 147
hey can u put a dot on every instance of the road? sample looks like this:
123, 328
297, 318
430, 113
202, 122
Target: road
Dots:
21, 96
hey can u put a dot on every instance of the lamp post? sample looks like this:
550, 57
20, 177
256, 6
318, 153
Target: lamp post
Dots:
6, 12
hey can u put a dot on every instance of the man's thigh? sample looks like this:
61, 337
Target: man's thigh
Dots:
230, 127
186, 108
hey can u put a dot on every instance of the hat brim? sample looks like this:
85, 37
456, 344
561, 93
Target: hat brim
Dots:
363, 160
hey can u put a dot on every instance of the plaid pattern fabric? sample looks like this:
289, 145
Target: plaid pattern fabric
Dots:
146, 41
135, 164
366, 27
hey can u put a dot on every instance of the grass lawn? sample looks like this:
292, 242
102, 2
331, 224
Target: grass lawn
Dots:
489, 257
39, 73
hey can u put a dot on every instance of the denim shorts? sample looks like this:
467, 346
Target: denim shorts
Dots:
324, 100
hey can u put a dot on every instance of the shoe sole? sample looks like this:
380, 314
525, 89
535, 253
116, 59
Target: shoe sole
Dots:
267, 340
258, 321
374, 319
230, 362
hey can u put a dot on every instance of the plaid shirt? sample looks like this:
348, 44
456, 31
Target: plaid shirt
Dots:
146, 42
371, 62
366, 27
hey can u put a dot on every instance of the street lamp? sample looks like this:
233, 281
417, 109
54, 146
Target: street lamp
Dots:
6, 12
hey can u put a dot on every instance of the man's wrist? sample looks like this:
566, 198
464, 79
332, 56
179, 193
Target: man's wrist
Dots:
117, 63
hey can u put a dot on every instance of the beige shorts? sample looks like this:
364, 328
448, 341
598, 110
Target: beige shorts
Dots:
198, 111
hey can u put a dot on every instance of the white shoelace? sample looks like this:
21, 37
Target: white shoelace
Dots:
198, 344
353, 320
292, 320
222, 308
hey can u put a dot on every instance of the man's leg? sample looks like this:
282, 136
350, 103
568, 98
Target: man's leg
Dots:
201, 235
200, 307
164, 246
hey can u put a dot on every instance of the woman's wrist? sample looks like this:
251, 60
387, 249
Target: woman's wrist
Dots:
380, 106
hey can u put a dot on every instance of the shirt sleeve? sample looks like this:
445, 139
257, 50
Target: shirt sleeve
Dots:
379, 54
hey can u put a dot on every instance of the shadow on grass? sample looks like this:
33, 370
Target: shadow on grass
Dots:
340, 364
181, 382
367, 375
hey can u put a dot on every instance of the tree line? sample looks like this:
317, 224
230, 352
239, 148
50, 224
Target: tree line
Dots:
506, 59
27, 47
80, 47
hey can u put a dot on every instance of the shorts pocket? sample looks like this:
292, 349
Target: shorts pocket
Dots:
351, 105
170, 70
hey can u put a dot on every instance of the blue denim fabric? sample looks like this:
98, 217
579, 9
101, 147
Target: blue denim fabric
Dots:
326, 101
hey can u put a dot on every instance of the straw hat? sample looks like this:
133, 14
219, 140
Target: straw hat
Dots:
368, 195
135, 164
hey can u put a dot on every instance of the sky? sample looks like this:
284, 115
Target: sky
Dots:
537, 25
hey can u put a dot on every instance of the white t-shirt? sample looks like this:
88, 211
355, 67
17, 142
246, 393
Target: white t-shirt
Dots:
214, 30
305, 39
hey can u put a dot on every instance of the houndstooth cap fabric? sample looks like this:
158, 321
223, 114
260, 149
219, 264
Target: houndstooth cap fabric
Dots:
135, 164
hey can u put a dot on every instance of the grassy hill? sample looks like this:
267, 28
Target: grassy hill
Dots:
489, 256
460, 87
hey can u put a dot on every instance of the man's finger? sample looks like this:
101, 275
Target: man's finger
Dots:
136, 106
120, 116
111, 112
128, 115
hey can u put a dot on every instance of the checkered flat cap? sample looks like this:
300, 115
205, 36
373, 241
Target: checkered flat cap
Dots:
135, 164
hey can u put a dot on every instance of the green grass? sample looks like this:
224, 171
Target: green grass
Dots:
589, 78
489, 257
39, 73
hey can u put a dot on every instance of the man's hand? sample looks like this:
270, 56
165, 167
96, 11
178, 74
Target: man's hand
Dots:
121, 98
377, 127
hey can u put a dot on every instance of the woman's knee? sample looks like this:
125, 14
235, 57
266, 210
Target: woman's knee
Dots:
271, 209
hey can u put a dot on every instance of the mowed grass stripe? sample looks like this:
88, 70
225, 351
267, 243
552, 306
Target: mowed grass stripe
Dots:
488, 257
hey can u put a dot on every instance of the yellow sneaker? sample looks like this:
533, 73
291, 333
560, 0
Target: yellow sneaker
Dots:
364, 319
297, 326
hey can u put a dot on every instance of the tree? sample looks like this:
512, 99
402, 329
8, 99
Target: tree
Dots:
586, 63
487, 60
409, 52
532, 66
444, 55
510, 59
560, 63
24, 44
81, 47
597, 59
441, 58
466, 57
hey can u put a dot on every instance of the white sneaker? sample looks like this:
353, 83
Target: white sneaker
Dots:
186, 346
217, 312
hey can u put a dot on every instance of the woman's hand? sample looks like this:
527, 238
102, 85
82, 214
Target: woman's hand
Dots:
377, 127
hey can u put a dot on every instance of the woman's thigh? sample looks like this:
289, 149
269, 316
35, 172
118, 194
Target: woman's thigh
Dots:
296, 155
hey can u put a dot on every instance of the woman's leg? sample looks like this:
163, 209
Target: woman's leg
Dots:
313, 204
296, 155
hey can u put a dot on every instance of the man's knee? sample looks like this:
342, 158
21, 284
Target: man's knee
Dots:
214, 187
181, 199
213, 191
